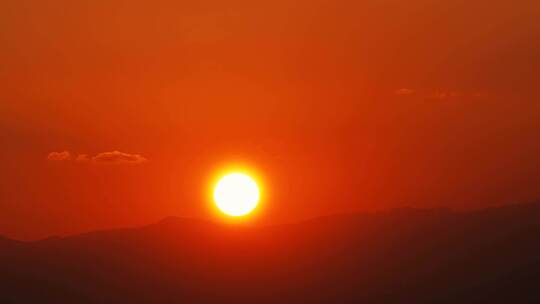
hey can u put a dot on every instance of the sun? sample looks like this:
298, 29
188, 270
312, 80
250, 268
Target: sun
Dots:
236, 194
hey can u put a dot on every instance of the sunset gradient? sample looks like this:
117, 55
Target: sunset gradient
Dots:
115, 113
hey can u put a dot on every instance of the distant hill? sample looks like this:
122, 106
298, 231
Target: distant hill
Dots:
6, 242
399, 256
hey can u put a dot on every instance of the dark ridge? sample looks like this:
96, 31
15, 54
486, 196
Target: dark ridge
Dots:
399, 256
4, 239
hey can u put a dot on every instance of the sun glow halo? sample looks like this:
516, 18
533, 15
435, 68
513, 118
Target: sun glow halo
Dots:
236, 194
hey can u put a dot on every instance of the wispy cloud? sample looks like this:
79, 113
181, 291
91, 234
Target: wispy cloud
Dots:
439, 94
112, 157
83, 158
59, 156
405, 91
443, 94
117, 157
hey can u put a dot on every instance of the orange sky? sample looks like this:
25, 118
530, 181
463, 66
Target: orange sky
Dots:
342, 105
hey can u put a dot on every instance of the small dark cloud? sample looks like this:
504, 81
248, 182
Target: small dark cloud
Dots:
59, 156
117, 157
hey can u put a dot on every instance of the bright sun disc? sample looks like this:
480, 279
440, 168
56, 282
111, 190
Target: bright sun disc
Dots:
236, 194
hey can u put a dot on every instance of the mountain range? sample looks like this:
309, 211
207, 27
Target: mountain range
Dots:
396, 256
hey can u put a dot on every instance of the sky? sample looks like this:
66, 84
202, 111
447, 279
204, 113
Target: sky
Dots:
118, 113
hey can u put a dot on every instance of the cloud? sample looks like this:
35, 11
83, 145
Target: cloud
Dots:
405, 91
82, 158
59, 156
113, 157
480, 94
117, 157
440, 94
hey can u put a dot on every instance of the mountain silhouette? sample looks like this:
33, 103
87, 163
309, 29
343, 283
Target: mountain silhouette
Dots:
397, 256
